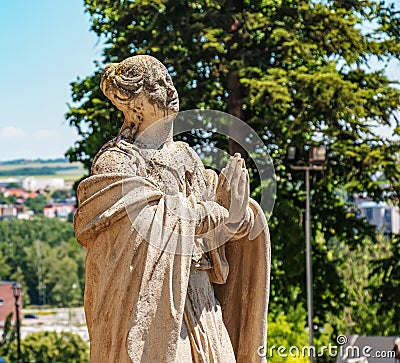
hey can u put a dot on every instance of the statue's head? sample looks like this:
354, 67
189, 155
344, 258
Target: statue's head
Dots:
137, 77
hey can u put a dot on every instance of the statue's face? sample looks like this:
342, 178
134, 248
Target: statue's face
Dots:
133, 76
120, 98
124, 99
139, 109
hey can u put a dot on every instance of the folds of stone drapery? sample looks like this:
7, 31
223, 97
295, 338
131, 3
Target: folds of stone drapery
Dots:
138, 244
244, 295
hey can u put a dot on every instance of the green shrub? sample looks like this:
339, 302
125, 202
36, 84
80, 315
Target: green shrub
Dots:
51, 347
290, 332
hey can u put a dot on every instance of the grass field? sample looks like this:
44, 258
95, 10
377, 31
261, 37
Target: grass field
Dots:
66, 170
36, 165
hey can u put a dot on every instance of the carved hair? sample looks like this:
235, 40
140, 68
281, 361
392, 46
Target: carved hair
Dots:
141, 74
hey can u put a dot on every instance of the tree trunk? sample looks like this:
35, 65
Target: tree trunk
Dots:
234, 107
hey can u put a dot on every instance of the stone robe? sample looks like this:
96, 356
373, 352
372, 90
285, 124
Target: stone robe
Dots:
159, 287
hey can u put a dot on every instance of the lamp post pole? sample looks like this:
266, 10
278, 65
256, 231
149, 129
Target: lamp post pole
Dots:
16, 287
309, 277
316, 159
309, 264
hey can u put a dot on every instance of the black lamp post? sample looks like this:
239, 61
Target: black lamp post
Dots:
16, 287
316, 160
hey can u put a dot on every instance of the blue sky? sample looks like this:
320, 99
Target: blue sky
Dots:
46, 44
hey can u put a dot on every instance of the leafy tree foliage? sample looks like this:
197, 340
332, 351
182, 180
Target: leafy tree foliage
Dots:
298, 73
37, 204
387, 294
7, 200
4, 268
62, 194
8, 336
52, 347
369, 311
13, 185
43, 255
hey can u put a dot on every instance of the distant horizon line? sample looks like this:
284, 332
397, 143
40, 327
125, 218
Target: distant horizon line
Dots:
37, 159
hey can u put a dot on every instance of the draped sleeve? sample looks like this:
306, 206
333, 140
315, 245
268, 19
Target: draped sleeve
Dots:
139, 242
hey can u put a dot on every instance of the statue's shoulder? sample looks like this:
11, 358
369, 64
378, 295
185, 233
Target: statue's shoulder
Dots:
117, 156
191, 158
188, 152
183, 145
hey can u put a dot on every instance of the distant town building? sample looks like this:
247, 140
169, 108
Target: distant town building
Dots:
32, 183
7, 302
71, 200
26, 215
19, 193
385, 217
8, 211
59, 210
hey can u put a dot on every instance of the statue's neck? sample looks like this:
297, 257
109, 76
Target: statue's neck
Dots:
152, 135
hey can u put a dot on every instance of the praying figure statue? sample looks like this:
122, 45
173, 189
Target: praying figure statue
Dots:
178, 257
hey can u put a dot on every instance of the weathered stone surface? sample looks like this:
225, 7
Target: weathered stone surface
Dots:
162, 285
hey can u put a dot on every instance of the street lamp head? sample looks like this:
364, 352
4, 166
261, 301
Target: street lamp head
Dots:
317, 155
16, 287
291, 154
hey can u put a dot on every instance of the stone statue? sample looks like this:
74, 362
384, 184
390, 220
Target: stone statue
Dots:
160, 284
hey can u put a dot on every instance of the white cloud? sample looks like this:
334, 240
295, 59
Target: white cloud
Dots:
44, 133
50, 145
11, 131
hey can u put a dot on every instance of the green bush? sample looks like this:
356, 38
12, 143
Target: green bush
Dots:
290, 331
51, 347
